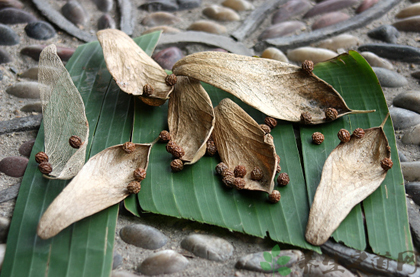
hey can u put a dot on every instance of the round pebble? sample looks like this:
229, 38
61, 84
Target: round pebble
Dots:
329, 19
221, 13
4, 228
274, 54
160, 18
397, 52
32, 108
104, 5
377, 61
143, 236
208, 247
117, 260
163, 262
8, 36
402, 157
34, 51
411, 171
31, 73
310, 53
281, 29
238, 5
11, 4
329, 6
413, 189
385, 33
40, 30
24, 90
409, 24
389, 78
13, 166
253, 261
365, 5
167, 57
408, 100
26, 148
15, 16
412, 136
74, 12
345, 41
5, 58
106, 22
164, 29
403, 119
409, 11
1, 72
208, 26
290, 9
188, 4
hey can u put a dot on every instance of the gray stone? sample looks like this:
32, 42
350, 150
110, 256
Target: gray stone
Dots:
388, 78
1, 75
2, 254
390, 51
34, 51
160, 18
167, 57
106, 22
366, 4
25, 90
322, 265
385, 33
20, 124
402, 157
403, 119
253, 261
377, 61
31, 73
163, 262
208, 247
412, 136
143, 236
74, 12
329, 6
9, 193
15, 16
290, 9
8, 36
188, 4
117, 260
408, 100
413, 190
414, 219
104, 5
5, 58
411, 171
32, 108
4, 228
329, 19
281, 29
26, 148
121, 273
159, 5
11, 4
40, 30
13, 166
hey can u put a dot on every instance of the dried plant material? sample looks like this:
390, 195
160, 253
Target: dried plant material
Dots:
64, 116
177, 165
132, 68
351, 173
190, 118
241, 141
283, 179
278, 89
102, 182
317, 138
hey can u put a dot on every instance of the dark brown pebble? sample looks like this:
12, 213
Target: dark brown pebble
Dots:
26, 148
366, 4
5, 57
281, 29
34, 51
167, 57
104, 5
15, 16
290, 9
40, 30
13, 166
74, 12
106, 22
11, 4
8, 36
330, 19
329, 6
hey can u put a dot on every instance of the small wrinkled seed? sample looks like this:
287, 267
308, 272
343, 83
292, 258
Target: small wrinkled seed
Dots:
317, 138
306, 118
386, 164
239, 171
128, 147
274, 196
359, 133
170, 80
45, 168
75, 142
239, 183
177, 165
308, 66
133, 187
271, 122
164, 136
147, 90
139, 174
283, 179
221, 167
41, 157
229, 180
211, 148
265, 128
344, 135
331, 114
257, 174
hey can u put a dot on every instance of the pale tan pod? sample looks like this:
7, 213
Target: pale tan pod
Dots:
101, 183
190, 118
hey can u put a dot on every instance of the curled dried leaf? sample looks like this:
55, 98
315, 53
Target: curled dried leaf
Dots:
131, 67
351, 172
278, 89
190, 118
61, 102
241, 141
101, 183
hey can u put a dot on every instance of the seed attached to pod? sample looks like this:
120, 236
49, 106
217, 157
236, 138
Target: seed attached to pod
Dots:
278, 169
257, 174
41, 157
239, 183
133, 187
139, 174
45, 168
306, 118
359, 133
265, 128
75, 142
271, 122
229, 181
386, 164
211, 148
170, 80
331, 114
164, 136
129, 147
308, 66
177, 165
147, 90
283, 179
175, 150
274, 196
227, 172
221, 167
317, 138
239, 171
344, 135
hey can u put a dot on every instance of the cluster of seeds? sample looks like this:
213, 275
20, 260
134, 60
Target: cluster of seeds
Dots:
175, 149
211, 148
139, 174
177, 152
44, 166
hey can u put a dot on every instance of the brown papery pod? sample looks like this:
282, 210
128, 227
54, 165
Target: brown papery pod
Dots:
277, 89
101, 183
131, 67
351, 173
241, 141
190, 118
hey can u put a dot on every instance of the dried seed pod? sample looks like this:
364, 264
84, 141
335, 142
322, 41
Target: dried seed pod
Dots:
221, 167
387, 164
306, 118
177, 165
308, 66
147, 90
344, 135
283, 179
271, 122
139, 174
170, 80
211, 148
317, 138
164, 136
45, 167
229, 180
331, 114
257, 174
133, 187
265, 128
239, 183
41, 157
274, 196
278, 169
129, 147
359, 133
239, 171
75, 142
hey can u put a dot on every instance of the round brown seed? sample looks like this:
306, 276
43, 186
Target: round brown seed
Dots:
283, 179
139, 174
239, 171
133, 187
147, 90
344, 135
41, 157
271, 122
308, 66
331, 114
221, 167
306, 118
359, 133
164, 136
257, 174
170, 80
229, 181
317, 138
227, 172
265, 128
45, 168
386, 164
129, 147
177, 165
239, 183
75, 142
211, 148
274, 196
